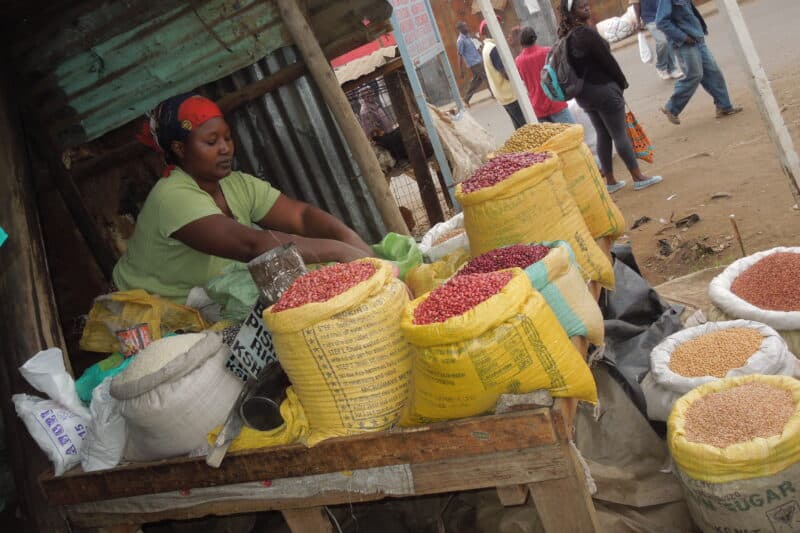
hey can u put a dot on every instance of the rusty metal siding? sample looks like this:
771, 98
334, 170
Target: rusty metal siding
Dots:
290, 139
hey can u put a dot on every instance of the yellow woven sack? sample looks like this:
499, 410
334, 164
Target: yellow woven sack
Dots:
510, 343
294, 429
346, 358
532, 205
123, 309
747, 486
426, 277
586, 184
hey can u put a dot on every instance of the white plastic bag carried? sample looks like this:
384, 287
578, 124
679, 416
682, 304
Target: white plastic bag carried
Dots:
434, 252
58, 425
728, 306
663, 387
645, 54
105, 440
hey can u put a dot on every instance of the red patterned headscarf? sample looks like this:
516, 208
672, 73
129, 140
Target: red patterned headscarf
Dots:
175, 118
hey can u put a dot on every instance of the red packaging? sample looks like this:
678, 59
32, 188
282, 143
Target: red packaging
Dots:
134, 339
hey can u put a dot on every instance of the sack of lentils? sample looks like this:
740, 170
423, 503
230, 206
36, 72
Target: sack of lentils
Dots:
522, 198
337, 335
764, 287
552, 270
482, 335
581, 174
712, 351
734, 443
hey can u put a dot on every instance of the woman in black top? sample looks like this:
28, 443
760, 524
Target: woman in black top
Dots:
601, 97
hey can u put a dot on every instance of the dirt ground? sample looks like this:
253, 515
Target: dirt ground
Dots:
704, 155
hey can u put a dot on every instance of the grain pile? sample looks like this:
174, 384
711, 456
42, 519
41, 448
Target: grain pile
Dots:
531, 136
323, 284
458, 296
500, 168
739, 414
517, 255
444, 237
771, 284
714, 354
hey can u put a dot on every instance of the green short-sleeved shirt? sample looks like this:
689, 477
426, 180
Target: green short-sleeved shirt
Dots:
165, 266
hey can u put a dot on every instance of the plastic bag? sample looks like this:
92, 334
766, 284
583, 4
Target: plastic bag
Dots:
747, 486
434, 252
105, 439
663, 387
58, 425
645, 54
426, 277
235, 290
533, 205
95, 374
127, 308
729, 306
346, 357
401, 250
510, 343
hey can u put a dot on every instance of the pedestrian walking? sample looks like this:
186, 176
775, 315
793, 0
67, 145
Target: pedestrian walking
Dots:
529, 64
666, 63
468, 55
686, 30
601, 97
498, 79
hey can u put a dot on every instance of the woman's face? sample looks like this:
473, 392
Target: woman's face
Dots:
581, 10
207, 154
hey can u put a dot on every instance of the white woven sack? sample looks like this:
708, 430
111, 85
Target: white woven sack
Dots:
662, 387
173, 394
434, 253
721, 296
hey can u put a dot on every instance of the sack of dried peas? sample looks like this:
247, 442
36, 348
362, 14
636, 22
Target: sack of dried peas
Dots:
521, 198
445, 238
712, 351
581, 174
764, 287
337, 335
482, 335
734, 443
552, 270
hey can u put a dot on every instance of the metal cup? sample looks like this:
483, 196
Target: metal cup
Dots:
261, 408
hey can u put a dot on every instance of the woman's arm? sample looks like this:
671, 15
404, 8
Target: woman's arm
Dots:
300, 218
223, 237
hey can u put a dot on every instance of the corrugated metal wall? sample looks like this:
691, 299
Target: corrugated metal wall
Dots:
290, 139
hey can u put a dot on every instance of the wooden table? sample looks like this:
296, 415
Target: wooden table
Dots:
525, 451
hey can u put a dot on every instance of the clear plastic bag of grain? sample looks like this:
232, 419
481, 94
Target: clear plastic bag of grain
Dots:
764, 287
734, 444
712, 351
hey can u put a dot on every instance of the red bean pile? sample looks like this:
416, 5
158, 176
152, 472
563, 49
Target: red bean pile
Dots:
323, 284
499, 168
772, 284
518, 255
459, 295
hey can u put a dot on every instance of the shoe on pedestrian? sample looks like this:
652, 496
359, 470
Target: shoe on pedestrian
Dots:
675, 74
639, 185
672, 117
663, 74
615, 187
732, 110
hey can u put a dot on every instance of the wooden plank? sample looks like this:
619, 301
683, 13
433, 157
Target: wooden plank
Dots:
312, 520
565, 505
28, 315
512, 495
399, 94
763, 94
303, 37
460, 438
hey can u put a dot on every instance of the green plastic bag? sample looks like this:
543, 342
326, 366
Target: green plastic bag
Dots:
95, 374
235, 290
401, 250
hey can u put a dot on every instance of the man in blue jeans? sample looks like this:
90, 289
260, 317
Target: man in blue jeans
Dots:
686, 31
666, 64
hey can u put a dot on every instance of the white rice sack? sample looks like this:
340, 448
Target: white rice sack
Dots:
174, 393
434, 252
105, 440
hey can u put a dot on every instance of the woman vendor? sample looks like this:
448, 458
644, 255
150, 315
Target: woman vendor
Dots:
201, 217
